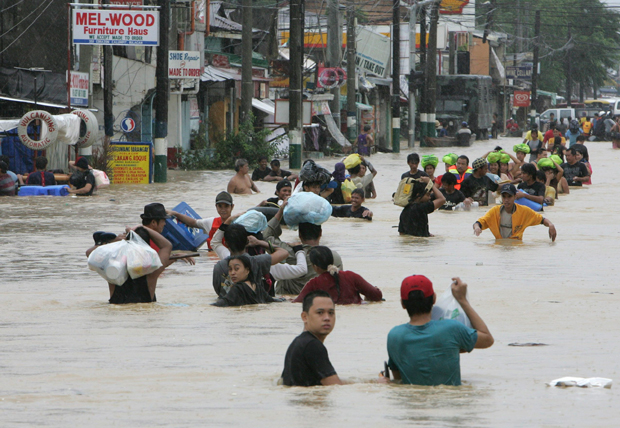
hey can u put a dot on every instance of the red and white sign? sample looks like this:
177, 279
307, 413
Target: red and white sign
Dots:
79, 89
184, 65
521, 98
331, 77
115, 27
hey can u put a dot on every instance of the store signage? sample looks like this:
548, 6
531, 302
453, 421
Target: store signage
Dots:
184, 65
115, 27
131, 162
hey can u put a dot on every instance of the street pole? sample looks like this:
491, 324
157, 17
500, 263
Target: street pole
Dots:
569, 77
535, 68
161, 95
425, 76
431, 72
247, 86
396, 76
334, 46
452, 52
295, 128
351, 76
413, 17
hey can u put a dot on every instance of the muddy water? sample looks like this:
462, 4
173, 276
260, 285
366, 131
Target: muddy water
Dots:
67, 357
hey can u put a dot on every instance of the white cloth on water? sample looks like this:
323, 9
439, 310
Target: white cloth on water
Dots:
597, 382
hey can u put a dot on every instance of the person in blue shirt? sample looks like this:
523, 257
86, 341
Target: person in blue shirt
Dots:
424, 351
574, 131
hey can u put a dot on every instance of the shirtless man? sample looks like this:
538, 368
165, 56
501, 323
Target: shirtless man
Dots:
241, 183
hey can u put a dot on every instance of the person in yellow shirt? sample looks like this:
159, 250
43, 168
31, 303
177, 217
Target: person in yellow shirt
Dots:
509, 220
587, 128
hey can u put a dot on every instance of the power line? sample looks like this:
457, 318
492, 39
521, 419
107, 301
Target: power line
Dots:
16, 25
27, 28
12, 6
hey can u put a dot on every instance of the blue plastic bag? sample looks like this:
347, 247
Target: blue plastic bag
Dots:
253, 221
306, 207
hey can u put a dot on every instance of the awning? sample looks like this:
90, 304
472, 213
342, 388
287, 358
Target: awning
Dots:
213, 74
264, 107
362, 106
7, 125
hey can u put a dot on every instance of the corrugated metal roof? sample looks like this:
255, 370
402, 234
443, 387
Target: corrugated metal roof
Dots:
212, 74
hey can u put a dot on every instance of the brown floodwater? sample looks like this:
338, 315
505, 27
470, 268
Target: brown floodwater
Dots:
67, 357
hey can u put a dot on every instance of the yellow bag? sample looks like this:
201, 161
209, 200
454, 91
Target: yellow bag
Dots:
347, 188
352, 161
402, 197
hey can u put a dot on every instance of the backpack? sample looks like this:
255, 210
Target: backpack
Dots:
402, 197
574, 126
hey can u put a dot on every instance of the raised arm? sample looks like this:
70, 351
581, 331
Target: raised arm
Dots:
459, 291
185, 219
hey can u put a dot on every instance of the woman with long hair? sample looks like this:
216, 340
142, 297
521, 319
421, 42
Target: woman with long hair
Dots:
344, 287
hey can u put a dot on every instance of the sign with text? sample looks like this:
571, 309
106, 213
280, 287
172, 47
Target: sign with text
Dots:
523, 72
184, 65
79, 89
373, 52
115, 27
521, 98
131, 162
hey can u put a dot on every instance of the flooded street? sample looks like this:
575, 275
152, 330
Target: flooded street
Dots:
67, 357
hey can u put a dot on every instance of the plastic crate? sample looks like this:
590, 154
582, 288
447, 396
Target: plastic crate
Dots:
182, 237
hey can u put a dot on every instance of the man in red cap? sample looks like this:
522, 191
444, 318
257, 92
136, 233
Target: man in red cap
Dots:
425, 351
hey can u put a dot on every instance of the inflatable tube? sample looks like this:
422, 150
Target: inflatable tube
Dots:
49, 126
527, 203
91, 125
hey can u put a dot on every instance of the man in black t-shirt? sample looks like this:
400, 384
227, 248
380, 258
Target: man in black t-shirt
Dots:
530, 188
355, 210
575, 172
476, 186
278, 173
262, 171
41, 177
453, 196
307, 362
413, 160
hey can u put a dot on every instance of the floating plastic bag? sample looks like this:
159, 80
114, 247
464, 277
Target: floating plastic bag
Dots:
596, 382
352, 161
253, 221
306, 207
347, 188
311, 172
141, 258
110, 261
447, 308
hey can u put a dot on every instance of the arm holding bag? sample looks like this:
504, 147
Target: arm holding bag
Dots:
447, 308
110, 261
141, 258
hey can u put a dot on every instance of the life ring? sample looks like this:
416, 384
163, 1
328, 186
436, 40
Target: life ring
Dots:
92, 126
50, 126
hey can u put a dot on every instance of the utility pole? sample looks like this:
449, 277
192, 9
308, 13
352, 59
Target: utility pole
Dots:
535, 68
396, 76
569, 77
413, 18
334, 48
108, 113
247, 86
161, 95
431, 73
423, 94
295, 128
452, 54
351, 77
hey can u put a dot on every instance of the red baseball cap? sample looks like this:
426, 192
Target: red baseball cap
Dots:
416, 282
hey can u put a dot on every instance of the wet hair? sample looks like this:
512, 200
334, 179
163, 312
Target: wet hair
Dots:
366, 128
540, 175
463, 157
236, 238
324, 258
355, 169
40, 162
308, 231
142, 233
417, 304
584, 152
276, 162
529, 169
572, 151
309, 184
413, 158
581, 138
240, 163
309, 299
359, 192
3, 166
448, 178
246, 263
417, 190
262, 158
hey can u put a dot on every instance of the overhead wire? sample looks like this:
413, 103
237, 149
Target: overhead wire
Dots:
27, 28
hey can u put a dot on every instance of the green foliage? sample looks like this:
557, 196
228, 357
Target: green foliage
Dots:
247, 143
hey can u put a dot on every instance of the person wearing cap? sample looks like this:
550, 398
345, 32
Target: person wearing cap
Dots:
7, 183
355, 209
425, 351
478, 184
461, 170
277, 173
464, 129
307, 362
414, 217
283, 192
509, 220
82, 182
223, 205
241, 183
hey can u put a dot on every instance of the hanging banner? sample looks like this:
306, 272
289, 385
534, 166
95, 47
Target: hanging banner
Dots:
79, 89
131, 162
184, 65
373, 52
521, 98
115, 27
